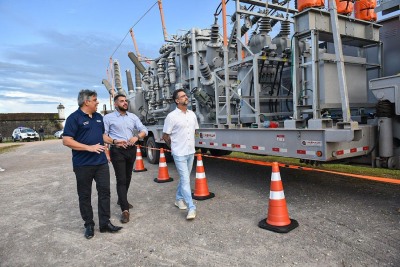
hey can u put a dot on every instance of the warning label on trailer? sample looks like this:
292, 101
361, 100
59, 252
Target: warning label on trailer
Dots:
280, 138
311, 143
208, 135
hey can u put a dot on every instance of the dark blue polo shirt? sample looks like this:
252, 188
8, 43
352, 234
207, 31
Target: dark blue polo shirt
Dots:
88, 131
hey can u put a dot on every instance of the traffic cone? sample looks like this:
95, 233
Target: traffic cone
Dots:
139, 165
278, 217
163, 175
201, 188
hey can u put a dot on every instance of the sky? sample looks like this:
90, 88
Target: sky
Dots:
51, 49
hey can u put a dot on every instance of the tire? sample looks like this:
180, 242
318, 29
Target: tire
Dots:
219, 153
153, 155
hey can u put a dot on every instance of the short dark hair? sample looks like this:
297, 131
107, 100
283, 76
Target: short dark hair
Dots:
118, 96
175, 94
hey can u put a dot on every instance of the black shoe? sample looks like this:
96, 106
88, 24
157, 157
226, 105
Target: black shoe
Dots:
89, 232
129, 204
110, 228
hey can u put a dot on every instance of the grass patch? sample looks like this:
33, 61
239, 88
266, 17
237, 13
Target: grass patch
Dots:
354, 169
9, 148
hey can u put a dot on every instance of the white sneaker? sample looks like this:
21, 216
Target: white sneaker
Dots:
180, 204
2, 170
191, 215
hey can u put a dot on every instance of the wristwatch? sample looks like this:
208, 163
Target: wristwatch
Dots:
113, 141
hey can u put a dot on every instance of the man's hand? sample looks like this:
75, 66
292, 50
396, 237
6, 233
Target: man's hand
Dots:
97, 148
167, 139
133, 141
121, 143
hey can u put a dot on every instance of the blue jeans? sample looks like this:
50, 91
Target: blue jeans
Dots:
184, 166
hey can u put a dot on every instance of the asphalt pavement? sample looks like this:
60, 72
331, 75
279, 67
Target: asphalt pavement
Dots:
342, 221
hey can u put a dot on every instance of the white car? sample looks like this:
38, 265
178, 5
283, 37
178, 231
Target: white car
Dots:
24, 134
59, 134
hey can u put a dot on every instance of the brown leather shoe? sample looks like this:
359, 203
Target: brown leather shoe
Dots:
124, 216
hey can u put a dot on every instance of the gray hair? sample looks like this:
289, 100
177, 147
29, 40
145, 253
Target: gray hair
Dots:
84, 95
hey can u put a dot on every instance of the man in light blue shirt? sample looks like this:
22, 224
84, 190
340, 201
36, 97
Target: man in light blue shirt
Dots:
120, 130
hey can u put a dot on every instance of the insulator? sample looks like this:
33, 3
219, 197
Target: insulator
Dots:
285, 28
117, 76
136, 62
214, 33
160, 73
172, 70
107, 85
384, 108
233, 17
233, 43
129, 80
244, 29
205, 71
265, 25
138, 81
146, 77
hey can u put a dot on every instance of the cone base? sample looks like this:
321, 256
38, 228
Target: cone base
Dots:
211, 195
163, 181
278, 229
144, 170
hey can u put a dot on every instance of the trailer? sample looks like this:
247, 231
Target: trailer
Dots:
319, 90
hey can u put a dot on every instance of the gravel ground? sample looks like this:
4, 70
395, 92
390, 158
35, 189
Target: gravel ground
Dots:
343, 221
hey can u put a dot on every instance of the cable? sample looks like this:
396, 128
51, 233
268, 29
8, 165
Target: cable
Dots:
131, 28
219, 6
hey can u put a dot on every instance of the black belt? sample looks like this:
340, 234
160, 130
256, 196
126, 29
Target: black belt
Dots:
129, 147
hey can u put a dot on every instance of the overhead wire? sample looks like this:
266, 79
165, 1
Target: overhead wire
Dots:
132, 27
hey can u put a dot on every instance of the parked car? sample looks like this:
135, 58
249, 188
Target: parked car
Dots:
24, 134
59, 134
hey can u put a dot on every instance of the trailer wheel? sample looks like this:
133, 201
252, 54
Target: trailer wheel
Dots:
204, 150
153, 154
219, 152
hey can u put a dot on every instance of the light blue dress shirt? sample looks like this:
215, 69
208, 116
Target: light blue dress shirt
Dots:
122, 127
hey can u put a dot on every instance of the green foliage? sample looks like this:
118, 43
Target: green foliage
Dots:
5, 149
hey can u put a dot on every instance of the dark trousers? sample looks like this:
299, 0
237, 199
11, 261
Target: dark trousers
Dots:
84, 178
123, 161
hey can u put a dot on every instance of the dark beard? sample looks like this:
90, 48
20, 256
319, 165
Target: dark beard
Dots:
123, 109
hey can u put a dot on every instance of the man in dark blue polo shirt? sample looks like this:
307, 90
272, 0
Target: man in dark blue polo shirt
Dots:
83, 133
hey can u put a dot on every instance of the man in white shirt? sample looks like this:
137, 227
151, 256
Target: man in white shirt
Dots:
178, 134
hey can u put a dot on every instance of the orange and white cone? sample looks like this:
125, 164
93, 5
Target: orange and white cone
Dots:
139, 165
163, 175
278, 216
201, 187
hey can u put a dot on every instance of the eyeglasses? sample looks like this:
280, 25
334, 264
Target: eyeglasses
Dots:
182, 96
